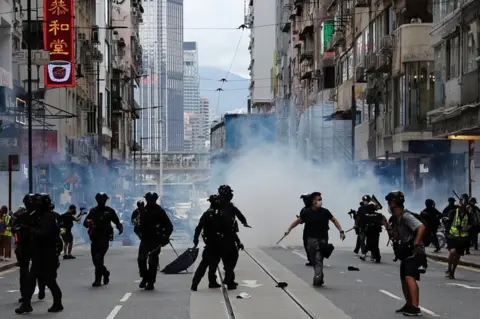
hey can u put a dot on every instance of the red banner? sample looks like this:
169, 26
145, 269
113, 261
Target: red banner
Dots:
59, 39
44, 146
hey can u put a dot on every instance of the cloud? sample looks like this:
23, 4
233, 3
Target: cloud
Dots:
217, 45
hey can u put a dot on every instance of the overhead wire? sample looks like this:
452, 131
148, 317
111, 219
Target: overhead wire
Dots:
229, 69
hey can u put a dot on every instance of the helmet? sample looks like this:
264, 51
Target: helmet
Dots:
429, 203
451, 200
45, 200
464, 198
473, 200
214, 201
101, 197
307, 199
225, 191
151, 197
140, 204
52, 206
396, 197
29, 199
367, 198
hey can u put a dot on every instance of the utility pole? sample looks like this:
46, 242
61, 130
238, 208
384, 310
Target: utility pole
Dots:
29, 96
99, 114
354, 100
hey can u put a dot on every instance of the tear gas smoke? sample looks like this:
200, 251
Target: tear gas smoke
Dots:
267, 185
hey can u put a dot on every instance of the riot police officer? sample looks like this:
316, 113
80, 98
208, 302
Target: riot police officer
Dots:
99, 223
45, 234
230, 243
135, 218
212, 227
155, 229
23, 243
431, 216
371, 225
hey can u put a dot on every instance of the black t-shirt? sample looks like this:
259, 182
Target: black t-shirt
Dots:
67, 220
316, 222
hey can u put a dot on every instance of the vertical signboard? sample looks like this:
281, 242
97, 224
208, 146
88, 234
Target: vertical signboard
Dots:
59, 40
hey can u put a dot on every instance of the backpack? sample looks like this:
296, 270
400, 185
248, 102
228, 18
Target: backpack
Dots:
427, 240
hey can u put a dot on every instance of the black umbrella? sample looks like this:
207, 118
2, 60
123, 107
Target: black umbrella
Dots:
183, 262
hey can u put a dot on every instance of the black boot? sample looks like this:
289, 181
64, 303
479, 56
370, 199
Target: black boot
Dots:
194, 287
143, 284
106, 277
41, 294
150, 286
25, 307
214, 285
56, 307
98, 281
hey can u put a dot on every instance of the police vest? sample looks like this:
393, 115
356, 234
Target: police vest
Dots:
6, 231
459, 223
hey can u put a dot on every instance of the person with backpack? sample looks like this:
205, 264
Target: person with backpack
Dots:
459, 226
409, 233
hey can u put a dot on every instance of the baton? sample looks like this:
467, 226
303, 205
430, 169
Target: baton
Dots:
455, 193
278, 242
350, 230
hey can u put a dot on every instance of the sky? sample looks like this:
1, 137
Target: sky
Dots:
217, 45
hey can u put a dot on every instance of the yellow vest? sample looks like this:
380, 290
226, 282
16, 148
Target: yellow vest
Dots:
457, 224
7, 231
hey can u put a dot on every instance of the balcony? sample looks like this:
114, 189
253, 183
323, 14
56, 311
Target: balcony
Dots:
306, 51
470, 88
306, 28
338, 38
413, 43
325, 60
360, 76
306, 70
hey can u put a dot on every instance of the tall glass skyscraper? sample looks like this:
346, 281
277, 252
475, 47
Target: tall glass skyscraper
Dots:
191, 82
161, 88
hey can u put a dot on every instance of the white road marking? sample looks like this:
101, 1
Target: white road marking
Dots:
342, 272
250, 284
296, 252
125, 298
463, 286
12, 290
114, 312
137, 281
359, 280
284, 246
425, 310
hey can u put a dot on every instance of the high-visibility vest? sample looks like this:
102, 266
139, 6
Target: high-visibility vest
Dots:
8, 230
457, 224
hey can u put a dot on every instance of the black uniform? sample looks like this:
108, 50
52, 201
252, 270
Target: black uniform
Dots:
45, 234
155, 229
371, 225
212, 227
100, 231
432, 216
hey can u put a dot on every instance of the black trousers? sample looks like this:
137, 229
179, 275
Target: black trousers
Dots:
44, 270
148, 259
229, 258
361, 240
373, 242
98, 250
433, 237
210, 259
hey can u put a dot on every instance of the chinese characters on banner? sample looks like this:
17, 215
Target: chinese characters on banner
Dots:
59, 40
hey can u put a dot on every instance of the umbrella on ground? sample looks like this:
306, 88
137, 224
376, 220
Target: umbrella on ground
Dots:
183, 262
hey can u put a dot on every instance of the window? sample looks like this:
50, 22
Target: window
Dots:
419, 93
349, 64
453, 58
470, 47
399, 102
439, 55
360, 51
344, 69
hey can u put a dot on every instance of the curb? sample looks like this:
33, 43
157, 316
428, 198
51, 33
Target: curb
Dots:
461, 263
8, 266
15, 263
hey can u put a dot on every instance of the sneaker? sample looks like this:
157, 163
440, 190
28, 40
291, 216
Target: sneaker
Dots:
214, 285
150, 287
25, 307
401, 310
422, 269
309, 264
56, 307
106, 278
194, 287
412, 311
142, 284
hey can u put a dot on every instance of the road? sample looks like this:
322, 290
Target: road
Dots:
371, 293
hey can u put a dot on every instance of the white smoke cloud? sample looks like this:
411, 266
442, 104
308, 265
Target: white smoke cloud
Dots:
267, 182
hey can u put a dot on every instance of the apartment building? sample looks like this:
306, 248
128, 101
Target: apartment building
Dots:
261, 19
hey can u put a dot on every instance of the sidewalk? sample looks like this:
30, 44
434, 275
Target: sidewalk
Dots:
472, 260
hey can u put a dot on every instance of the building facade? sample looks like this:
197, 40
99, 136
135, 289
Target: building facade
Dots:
262, 53
161, 89
387, 85
205, 121
191, 90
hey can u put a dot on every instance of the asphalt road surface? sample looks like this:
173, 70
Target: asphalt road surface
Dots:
371, 293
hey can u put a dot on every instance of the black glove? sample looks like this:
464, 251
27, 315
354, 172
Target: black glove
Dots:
120, 229
240, 246
247, 225
164, 241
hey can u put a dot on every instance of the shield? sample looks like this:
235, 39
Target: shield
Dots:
182, 263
